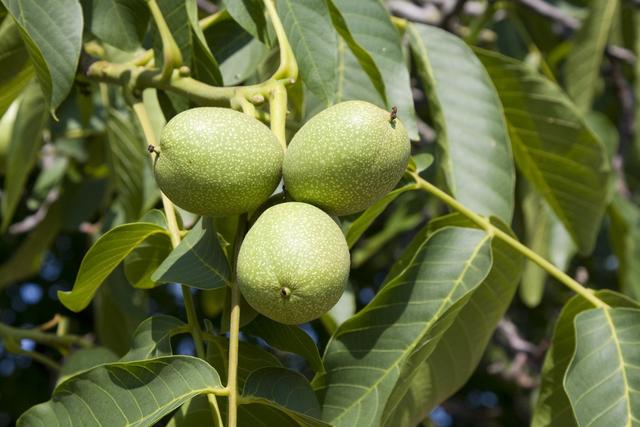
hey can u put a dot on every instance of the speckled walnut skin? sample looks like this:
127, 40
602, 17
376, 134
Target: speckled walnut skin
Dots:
294, 263
346, 157
217, 161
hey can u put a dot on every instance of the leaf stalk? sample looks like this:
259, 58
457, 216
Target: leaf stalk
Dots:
486, 225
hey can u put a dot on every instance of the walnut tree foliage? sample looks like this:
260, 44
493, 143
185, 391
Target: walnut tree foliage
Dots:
521, 196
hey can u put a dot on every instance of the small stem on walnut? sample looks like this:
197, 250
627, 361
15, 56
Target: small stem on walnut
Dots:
234, 326
174, 230
486, 225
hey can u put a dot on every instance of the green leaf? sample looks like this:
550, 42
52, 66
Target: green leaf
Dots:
121, 23
128, 161
144, 260
364, 58
195, 413
285, 390
583, 63
251, 17
553, 147
287, 338
625, 239
130, 393
102, 258
603, 378
314, 42
552, 408
140, 264
237, 52
364, 221
370, 25
83, 359
26, 138
15, 68
52, 32
382, 344
472, 134
198, 261
152, 338
462, 345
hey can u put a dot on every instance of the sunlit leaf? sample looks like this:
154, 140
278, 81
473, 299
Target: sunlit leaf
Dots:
397, 331
102, 258
603, 378
462, 345
552, 408
472, 133
553, 147
125, 393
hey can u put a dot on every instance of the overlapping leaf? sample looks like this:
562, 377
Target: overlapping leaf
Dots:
102, 258
126, 393
198, 260
553, 147
461, 346
152, 338
286, 391
472, 134
552, 408
52, 33
398, 330
603, 378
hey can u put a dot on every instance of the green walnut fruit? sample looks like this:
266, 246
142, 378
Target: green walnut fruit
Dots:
216, 161
293, 264
346, 157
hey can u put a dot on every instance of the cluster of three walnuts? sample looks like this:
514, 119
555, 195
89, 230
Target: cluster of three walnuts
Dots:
294, 262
